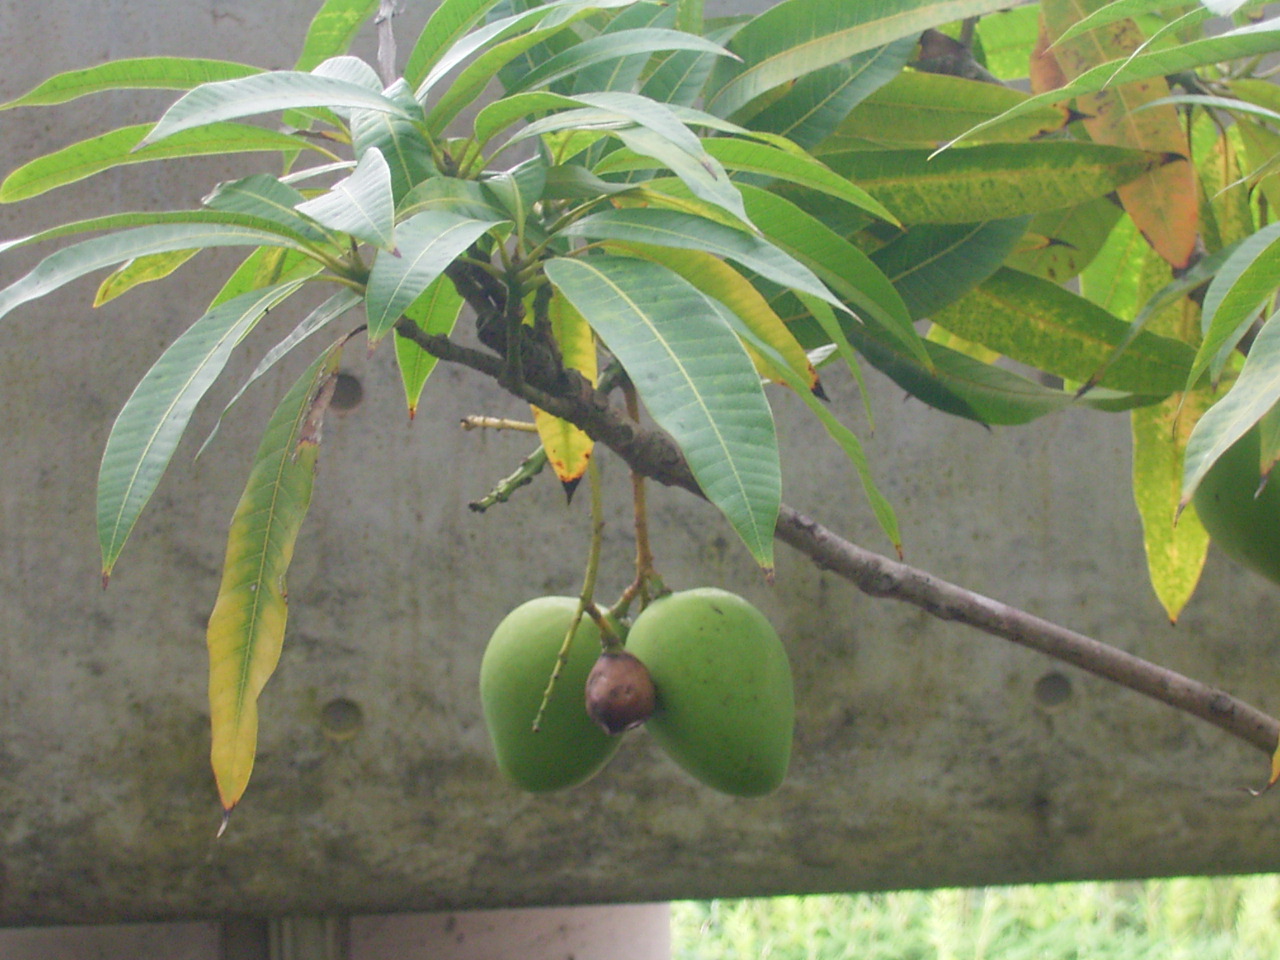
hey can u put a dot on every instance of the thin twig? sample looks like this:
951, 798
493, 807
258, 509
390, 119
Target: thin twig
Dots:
523, 475
881, 577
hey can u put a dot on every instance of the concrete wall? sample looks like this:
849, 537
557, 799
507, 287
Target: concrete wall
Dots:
926, 754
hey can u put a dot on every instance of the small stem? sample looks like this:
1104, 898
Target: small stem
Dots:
504, 255
476, 422
566, 219
608, 639
562, 657
644, 550
484, 265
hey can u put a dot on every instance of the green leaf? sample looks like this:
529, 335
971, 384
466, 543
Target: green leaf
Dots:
435, 65
1059, 244
427, 243
478, 75
671, 228
215, 230
817, 103
1259, 39
1113, 279
845, 438
141, 73
1173, 292
332, 30
918, 109
1039, 323
155, 416
317, 319
680, 75
265, 197
844, 268
723, 283
969, 388
1241, 287
246, 627
265, 93
765, 161
1005, 37
936, 264
350, 70
497, 116
623, 73
400, 141
517, 190
360, 205
694, 378
746, 156
1254, 393
447, 24
146, 269
991, 181
607, 47
572, 182
654, 130
466, 198
263, 267
117, 148
797, 37
435, 311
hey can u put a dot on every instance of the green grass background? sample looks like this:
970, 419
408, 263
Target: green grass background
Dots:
1219, 918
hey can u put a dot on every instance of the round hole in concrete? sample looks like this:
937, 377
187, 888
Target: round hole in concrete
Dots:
347, 392
341, 719
1053, 689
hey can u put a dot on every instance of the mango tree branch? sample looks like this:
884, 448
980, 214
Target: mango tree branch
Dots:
652, 453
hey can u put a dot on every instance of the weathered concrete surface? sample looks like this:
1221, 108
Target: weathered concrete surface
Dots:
923, 755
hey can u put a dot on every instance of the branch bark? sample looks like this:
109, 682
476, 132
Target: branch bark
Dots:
652, 453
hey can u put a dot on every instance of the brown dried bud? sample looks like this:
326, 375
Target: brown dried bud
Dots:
620, 693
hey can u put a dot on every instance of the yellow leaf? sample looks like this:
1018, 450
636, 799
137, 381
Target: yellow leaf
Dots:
1176, 544
568, 448
246, 628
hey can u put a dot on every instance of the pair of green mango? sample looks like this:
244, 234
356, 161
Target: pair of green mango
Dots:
725, 709
1243, 520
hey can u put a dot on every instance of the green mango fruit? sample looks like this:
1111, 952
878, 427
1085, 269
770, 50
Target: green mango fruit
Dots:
725, 705
1244, 526
569, 747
